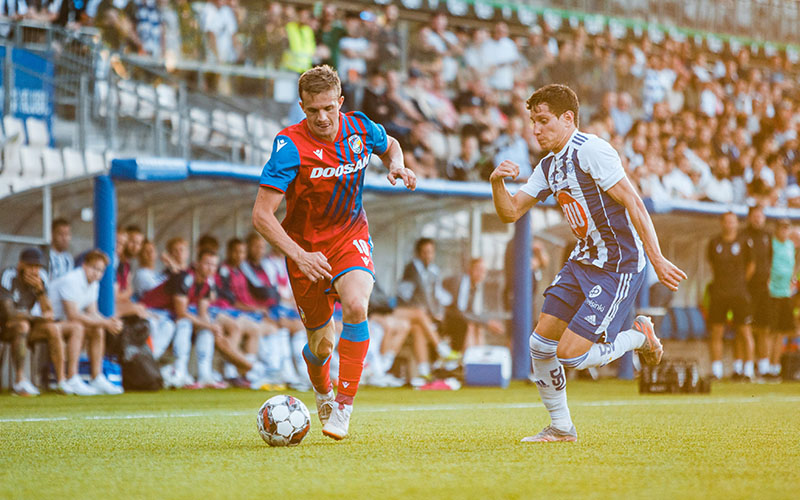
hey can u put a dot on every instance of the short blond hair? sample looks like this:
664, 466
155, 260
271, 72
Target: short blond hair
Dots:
319, 79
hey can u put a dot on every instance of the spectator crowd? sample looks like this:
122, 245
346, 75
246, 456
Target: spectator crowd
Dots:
692, 119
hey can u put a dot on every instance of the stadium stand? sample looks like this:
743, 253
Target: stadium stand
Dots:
716, 113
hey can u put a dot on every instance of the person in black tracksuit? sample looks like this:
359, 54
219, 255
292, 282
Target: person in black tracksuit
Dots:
758, 286
731, 258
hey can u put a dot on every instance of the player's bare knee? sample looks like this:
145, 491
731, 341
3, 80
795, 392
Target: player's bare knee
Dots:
324, 349
354, 310
569, 351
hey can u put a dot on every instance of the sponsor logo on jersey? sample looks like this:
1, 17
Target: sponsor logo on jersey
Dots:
346, 169
595, 305
591, 319
356, 144
318, 152
280, 144
574, 213
595, 291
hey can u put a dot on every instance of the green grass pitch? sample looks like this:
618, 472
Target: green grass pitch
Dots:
741, 441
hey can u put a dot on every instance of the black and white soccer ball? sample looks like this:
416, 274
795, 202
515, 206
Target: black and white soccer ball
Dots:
283, 421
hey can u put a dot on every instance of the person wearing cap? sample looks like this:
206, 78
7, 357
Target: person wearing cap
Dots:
27, 317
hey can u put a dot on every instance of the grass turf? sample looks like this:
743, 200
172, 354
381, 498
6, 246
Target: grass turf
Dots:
739, 442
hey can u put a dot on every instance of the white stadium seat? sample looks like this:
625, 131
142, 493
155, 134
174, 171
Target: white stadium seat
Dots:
31, 161
53, 164
13, 126
38, 133
73, 163
95, 162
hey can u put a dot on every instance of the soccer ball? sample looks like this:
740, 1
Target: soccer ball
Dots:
283, 421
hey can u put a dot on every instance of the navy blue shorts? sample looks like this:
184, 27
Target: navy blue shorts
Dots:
593, 302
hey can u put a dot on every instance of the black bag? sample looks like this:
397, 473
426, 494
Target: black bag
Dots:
790, 366
140, 372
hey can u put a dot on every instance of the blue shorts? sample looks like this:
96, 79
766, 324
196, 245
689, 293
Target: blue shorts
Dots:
280, 312
594, 302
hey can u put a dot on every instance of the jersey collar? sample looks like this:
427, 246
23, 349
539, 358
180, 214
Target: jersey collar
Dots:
572, 136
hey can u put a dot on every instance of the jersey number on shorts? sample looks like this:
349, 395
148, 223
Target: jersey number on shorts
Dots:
364, 249
574, 213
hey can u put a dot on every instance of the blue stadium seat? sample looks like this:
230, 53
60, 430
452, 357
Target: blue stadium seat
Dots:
682, 325
697, 323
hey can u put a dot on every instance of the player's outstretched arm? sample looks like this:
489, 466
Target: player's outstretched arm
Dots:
668, 273
313, 264
509, 208
393, 158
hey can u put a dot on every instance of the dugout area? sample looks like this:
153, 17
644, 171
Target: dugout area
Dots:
176, 197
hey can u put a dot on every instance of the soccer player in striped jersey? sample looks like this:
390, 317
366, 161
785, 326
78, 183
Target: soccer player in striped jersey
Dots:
319, 166
590, 297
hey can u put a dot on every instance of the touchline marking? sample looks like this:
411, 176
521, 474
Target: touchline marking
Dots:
461, 407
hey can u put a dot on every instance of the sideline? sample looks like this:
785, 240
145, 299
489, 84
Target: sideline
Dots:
647, 401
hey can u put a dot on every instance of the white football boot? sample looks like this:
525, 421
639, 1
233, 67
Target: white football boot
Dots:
325, 404
339, 422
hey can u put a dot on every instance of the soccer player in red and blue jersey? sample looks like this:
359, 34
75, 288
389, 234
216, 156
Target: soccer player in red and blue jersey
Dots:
319, 165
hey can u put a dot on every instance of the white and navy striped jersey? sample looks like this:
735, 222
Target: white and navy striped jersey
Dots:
60, 263
579, 176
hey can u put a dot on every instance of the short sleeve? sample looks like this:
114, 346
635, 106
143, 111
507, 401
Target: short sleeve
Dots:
376, 134
179, 284
601, 161
281, 169
537, 185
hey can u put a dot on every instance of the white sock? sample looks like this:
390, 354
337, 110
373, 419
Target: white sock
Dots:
204, 348
737, 366
229, 371
603, 354
717, 369
749, 371
550, 379
424, 369
775, 369
387, 361
182, 346
763, 366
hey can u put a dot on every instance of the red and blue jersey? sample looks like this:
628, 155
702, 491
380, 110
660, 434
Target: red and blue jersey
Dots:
323, 180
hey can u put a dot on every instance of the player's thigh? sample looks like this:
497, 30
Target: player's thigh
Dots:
44, 330
354, 288
603, 313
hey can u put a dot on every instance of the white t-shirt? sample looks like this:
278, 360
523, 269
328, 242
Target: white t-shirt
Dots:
146, 279
501, 55
679, 185
222, 22
72, 287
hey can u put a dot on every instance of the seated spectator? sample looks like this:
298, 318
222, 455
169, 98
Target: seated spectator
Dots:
235, 303
125, 261
187, 295
464, 321
146, 276
354, 49
26, 317
74, 298
421, 300
61, 260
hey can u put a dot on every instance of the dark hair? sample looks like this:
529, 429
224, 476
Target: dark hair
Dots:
422, 242
133, 228
95, 255
559, 99
753, 208
173, 242
59, 223
207, 241
232, 244
252, 237
317, 80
